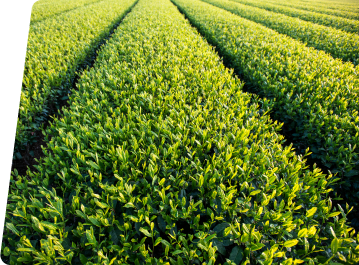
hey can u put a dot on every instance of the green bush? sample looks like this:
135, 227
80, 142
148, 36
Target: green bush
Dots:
161, 158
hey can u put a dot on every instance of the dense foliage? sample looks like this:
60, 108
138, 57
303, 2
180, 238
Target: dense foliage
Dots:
337, 5
57, 48
161, 158
339, 44
341, 23
43, 9
314, 94
320, 9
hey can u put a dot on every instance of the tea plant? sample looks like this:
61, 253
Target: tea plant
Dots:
162, 159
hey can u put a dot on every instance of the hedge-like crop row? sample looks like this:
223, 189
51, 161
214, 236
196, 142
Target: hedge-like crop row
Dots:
314, 94
339, 44
46, 8
344, 24
56, 49
346, 6
161, 158
318, 9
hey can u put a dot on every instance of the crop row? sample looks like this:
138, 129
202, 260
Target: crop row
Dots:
161, 157
339, 44
318, 9
57, 48
341, 5
314, 94
344, 24
46, 8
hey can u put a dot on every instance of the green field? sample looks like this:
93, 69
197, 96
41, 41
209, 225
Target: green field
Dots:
187, 132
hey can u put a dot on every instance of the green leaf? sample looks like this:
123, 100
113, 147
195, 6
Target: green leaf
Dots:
245, 228
332, 231
158, 240
11, 227
93, 165
303, 232
148, 234
90, 236
201, 246
166, 250
94, 221
130, 205
306, 246
83, 259
25, 259
255, 192
81, 214
139, 244
219, 229
311, 212
176, 252
291, 243
25, 249
209, 238
6, 251
334, 245
220, 246
101, 204
333, 214
236, 255
166, 243
179, 260
257, 246
244, 237
288, 262
49, 225
37, 223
